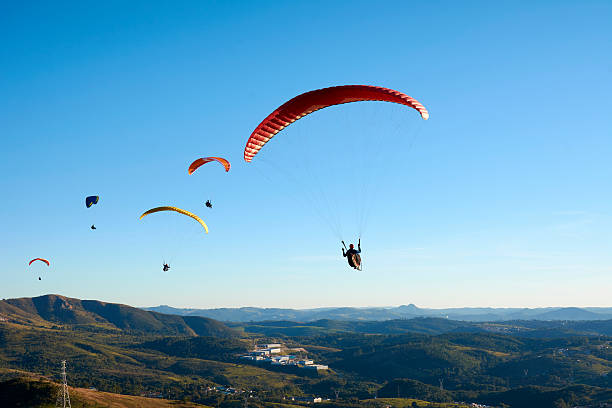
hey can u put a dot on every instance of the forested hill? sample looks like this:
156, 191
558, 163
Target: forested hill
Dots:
431, 326
60, 310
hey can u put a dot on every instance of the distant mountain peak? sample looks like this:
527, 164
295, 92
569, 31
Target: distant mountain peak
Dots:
411, 307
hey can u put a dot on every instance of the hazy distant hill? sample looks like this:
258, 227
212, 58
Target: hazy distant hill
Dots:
568, 313
254, 314
56, 309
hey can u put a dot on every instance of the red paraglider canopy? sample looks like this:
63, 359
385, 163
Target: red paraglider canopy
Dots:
40, 259
194, 166
312, 101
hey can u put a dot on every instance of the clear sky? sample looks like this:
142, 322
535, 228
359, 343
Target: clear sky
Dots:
503, 198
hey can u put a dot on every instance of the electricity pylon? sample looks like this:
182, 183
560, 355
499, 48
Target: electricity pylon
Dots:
63, 398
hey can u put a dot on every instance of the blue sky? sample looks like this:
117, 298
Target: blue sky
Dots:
502, 198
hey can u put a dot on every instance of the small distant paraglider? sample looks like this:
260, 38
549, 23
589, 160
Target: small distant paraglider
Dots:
166, 266
41, 260
89, 201
203, 160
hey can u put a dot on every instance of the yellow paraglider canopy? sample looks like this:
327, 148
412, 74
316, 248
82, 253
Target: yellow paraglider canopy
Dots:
178, 210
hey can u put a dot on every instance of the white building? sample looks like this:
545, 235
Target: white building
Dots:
260, 353
317, 367
280, 360
269, 346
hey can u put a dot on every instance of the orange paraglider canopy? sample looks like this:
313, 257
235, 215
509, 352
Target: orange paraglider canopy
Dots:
40, 259
312, 101
196, 164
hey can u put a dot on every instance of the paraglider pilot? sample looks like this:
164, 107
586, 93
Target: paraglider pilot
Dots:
166, 267
208, 204
352, 255
93, 227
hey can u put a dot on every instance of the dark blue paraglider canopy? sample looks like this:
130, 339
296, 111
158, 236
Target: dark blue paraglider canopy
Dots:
91, 200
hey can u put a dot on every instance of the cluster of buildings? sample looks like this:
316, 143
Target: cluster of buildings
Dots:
272, 354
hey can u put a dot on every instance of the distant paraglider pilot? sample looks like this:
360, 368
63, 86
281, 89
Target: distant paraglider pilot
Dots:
352, 255
166, 267
208, 204
93, 227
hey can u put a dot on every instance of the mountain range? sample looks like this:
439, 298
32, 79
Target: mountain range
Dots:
485, 314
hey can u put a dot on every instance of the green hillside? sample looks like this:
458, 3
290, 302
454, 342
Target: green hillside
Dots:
56, 309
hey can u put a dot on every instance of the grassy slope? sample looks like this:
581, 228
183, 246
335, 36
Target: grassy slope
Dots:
90, 398
36, 392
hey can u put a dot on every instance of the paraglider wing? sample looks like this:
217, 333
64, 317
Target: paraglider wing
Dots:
91, 200
194, 166
178, 210
39, 259
312, 101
